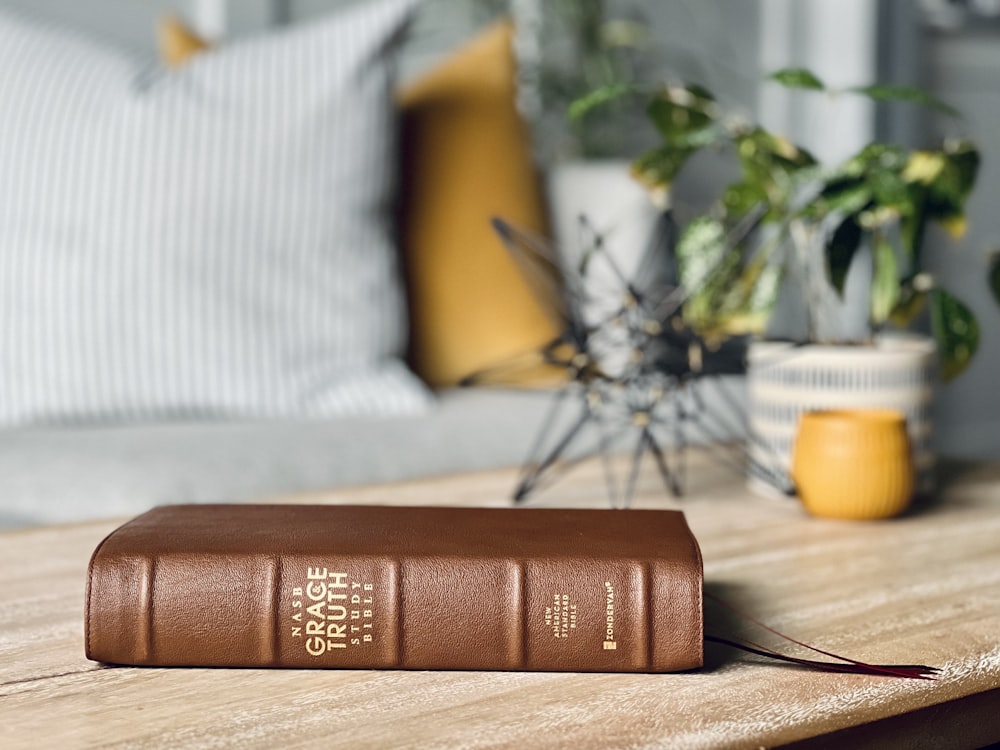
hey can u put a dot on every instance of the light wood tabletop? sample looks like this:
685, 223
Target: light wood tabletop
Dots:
922, 588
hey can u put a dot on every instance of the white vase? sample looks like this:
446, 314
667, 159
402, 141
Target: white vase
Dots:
603, 193
785, 380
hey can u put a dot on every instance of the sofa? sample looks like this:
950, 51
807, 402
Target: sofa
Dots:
110, 403
262, 267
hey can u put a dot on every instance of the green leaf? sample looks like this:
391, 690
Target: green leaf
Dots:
885, 280
740, 198
698, 138
994, 275
888, 189
895, 196
840, 251
956, 330
584, 105
748, 305
726, 296
677, 110
909, 304
876, 157
845, 195
924, 167
964, 159
685, 119
797, 78
658, 168
772, 165
706, 269
766, 149
948, 191
882, 93
699, 250
700, 92
913, 225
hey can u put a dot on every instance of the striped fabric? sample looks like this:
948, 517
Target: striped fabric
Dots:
210, 242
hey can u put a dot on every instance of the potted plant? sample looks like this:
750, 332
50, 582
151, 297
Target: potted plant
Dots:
784, 219
566, 48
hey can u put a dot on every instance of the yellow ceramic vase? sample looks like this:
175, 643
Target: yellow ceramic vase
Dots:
853, 464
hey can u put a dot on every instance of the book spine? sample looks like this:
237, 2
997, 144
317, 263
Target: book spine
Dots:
484, 613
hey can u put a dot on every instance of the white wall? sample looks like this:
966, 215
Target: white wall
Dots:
961, 68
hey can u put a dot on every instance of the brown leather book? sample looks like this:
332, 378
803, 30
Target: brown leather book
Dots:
398, 588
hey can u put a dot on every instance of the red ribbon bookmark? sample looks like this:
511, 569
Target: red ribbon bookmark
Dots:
852, 666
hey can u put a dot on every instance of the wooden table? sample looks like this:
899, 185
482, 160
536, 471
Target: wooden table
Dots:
922, 588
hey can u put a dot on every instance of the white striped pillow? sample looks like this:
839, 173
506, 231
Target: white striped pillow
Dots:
213, 241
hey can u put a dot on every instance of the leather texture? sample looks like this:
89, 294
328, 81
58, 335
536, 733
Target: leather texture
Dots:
398, 587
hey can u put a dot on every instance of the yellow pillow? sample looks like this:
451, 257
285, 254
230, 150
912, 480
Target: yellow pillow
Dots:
177, 42
466, 157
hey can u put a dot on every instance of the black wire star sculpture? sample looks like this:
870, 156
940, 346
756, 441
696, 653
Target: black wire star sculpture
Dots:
633, 368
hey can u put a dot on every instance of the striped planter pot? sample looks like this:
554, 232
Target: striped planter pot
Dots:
784, 380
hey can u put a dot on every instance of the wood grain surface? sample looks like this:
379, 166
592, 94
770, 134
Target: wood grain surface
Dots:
922, 588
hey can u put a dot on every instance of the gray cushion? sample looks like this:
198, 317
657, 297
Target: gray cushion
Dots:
57, 475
